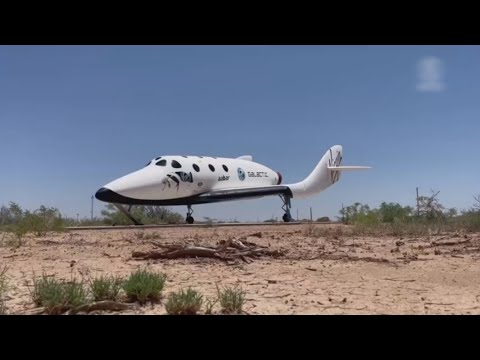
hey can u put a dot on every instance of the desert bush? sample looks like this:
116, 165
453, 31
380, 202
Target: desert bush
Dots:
311, 230
143, 286
14, 235
231, 299
187, 302
106, 288
19, 222
41, 222
57, 296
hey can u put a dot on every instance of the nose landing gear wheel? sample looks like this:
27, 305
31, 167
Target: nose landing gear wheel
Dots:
189, 215
287, 217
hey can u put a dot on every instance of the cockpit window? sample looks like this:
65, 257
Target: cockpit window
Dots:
148, 163
161, 163
158, 158
186, 157
176, 164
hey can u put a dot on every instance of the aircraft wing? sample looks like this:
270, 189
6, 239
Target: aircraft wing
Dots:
243, 193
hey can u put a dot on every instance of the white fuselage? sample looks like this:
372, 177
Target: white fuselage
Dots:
171, 177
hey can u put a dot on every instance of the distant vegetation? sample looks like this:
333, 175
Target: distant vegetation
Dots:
19, 222
429, 216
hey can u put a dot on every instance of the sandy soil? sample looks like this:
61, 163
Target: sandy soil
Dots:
330, 274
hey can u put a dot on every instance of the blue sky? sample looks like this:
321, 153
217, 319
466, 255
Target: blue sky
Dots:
76, 117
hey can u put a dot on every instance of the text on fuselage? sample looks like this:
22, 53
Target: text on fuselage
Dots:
257, 174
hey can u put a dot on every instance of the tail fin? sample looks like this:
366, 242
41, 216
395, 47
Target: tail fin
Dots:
326, 173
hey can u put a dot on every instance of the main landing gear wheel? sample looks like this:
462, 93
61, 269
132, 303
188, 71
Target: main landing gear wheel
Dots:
189, 215
286, 207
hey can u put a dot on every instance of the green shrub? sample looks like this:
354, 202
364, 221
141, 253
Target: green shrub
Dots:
106, 288
184, 302
143, 286
231, 300
56, 296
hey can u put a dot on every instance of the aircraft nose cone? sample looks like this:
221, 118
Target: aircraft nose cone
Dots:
106, 195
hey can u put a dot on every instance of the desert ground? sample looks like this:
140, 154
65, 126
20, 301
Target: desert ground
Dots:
317, 269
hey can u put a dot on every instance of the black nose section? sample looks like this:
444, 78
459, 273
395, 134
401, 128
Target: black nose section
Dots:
107, 195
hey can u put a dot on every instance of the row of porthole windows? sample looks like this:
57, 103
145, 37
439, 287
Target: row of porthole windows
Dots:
175, 164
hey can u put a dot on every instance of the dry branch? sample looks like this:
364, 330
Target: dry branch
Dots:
165, 246
402, 280
277, 296
432, 303
69, 310
103, 306
36, 311
448, 243
226, 250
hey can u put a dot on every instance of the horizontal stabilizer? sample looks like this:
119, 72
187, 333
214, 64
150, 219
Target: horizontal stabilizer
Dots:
246, 157
347, 168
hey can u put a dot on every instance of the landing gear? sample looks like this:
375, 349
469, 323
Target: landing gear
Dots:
127, 213
287, 217
189, 215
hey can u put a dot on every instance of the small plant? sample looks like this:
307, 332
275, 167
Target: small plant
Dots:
209, 304
106, 288
3, 279
184, 302
142, 235
3, 288
143, 286
56, 296
231, 300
